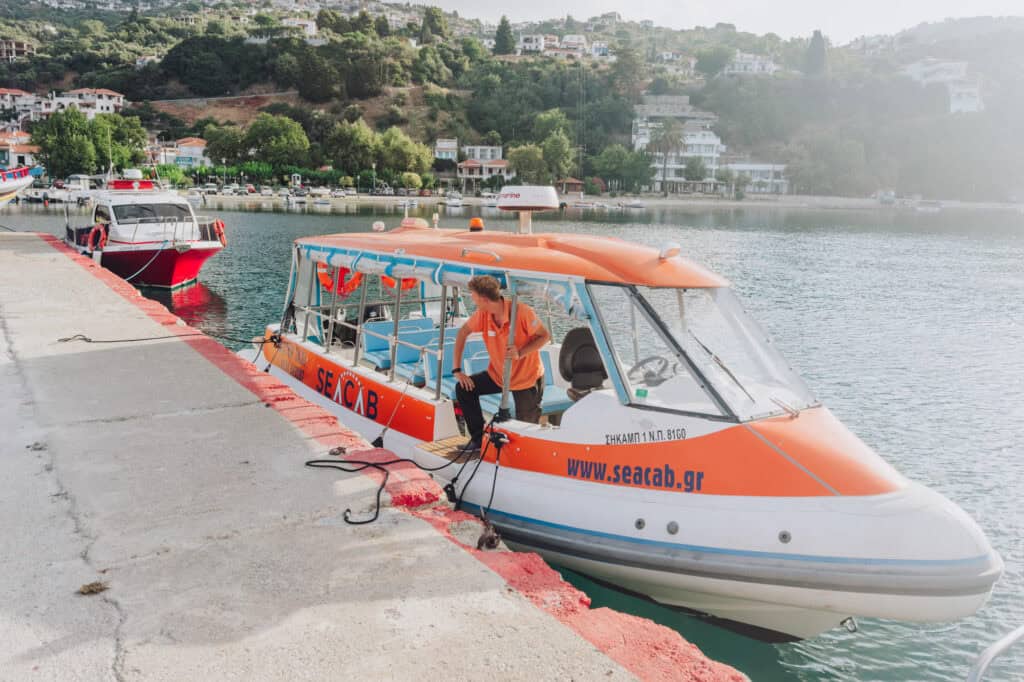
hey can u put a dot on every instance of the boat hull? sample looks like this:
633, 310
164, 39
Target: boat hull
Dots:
722, 555
167, 268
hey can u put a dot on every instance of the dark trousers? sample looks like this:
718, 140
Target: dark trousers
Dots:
527, 402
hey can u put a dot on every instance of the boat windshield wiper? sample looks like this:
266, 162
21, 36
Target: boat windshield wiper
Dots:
718, 361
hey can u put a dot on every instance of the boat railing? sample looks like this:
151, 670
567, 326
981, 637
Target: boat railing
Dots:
328, 314
180, 229
992, 652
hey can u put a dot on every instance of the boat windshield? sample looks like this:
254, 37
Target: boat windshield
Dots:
696, 350
151, 213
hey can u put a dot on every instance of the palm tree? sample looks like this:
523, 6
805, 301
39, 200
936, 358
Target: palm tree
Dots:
667, 139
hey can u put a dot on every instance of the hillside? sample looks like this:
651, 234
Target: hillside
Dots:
852, 124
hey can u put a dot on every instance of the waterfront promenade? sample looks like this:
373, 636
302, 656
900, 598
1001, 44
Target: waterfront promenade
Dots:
171, 473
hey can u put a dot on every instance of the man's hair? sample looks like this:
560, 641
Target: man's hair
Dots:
486, 286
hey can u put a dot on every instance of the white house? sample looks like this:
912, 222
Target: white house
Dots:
765, 178
574, 42
191, 152
964, 91
931, 70
472, 172
965, 98
101, 100
599, 49
655, 109
481, 152
446, 148
746, 64
307, 26
697, 143
532, 43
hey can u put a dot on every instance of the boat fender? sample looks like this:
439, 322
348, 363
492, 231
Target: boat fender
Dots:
345, 287
97, 238
218, 228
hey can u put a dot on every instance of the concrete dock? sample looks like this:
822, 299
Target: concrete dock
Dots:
170, 473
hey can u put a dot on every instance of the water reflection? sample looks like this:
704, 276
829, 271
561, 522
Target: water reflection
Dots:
196, 304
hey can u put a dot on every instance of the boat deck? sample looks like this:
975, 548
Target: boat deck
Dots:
449, 449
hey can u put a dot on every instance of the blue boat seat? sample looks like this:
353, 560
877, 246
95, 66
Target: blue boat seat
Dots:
378, 350
473, 347
408, 359
555, 398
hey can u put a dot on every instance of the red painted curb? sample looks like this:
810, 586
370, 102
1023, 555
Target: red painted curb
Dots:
646, 649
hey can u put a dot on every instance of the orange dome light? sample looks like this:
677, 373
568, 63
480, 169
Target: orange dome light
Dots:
476, 224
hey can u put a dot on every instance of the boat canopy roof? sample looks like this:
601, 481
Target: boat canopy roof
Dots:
416, 250
138, 196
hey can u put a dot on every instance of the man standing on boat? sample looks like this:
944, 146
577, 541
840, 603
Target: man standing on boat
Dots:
491, 319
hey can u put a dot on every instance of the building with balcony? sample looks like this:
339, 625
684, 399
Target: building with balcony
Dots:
446, 148
471, 173
12, 50
764, 178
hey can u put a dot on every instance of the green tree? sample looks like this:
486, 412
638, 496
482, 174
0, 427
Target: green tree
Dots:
319, 81
65, 144
666, 140
492, 138
434, 26
119, 141
411, 180
473, 49
352, 146
381, 26
504, 43
695, 170
549, 122
398, 153
557, 152
610, 164
225, 143
627, 73
528, 162
429, 67
711, 61
277, 140
816, 58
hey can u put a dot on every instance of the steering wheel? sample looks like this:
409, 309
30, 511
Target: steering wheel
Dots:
652, 370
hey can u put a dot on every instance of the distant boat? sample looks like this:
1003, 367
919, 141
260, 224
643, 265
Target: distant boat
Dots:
12, 182
489, 199
928, 206
632, 204
453, 199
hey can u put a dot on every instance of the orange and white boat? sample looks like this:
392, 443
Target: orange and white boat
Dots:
680, 457
147, 236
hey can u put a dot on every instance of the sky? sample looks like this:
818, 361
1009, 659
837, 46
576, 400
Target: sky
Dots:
840, 20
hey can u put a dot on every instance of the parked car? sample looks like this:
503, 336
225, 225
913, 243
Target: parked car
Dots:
350, 191
266, 191
426, 193
209, 188
338, 192
250, 189
283, 192
227, 191
300, 192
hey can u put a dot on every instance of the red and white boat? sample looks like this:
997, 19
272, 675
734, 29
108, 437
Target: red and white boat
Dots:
147, 236
12, 182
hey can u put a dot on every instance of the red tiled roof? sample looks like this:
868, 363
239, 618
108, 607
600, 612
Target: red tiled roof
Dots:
497, 163
191, 142
94, 91
13, 91
470, 163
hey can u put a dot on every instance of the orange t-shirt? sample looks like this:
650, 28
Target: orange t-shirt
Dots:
528, 368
